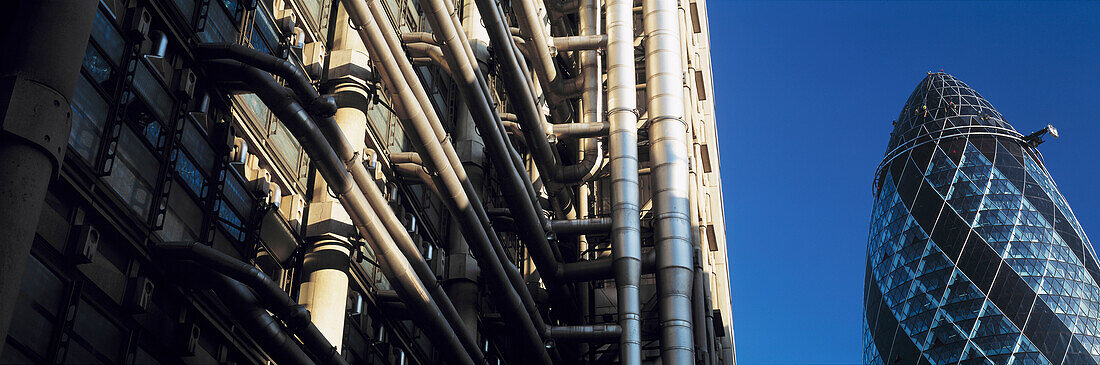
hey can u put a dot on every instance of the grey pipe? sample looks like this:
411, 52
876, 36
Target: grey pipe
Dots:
451, 165
432, 52
585, 332
274, 298
580, 130
246, 310
398, 268
622, 115
603, 268
580, 42
668, 146
395, 232
475, 90
581, 226
422, 121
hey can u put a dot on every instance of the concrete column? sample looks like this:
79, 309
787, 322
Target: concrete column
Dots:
44, 46
324, 290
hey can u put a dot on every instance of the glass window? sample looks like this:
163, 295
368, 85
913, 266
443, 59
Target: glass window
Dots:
187, 8
237, 195
230, 221
107, 36
285, 144
97, 66
198, 147
134, 171
153, 92
264, 37
220, 25
183, 220
89, 116
103, 335
190, 175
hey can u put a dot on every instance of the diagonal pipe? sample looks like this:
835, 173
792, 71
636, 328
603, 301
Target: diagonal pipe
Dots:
364, 181
431, 141
334, 170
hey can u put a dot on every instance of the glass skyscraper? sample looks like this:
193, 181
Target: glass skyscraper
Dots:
974, 256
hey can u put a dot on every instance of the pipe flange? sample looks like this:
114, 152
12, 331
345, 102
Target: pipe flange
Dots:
351, 161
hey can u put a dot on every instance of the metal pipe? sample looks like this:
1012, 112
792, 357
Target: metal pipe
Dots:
253, 318
394, 231
603, 268
580, 42
622, 115
296, 317
581, 226
37, 79
427, 137
475, 90
580, 130
432, 52
452, 165
585, 332
334, 170
668, 146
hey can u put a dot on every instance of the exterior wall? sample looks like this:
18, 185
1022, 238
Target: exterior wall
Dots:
161, 152
973, 254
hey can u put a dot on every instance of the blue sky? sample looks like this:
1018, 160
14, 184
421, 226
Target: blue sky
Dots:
805, 95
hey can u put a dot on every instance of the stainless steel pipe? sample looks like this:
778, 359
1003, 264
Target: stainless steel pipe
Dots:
622, 114
669, 156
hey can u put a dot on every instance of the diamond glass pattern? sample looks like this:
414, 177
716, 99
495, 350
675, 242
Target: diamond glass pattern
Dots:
974, 257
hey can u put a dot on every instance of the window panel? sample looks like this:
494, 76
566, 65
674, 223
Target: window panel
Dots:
108, 37
152, 92
134, 172
89, 116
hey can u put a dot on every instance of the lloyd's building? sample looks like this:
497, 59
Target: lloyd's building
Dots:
360, 182
974, 257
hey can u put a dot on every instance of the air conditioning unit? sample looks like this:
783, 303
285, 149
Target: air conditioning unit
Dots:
83, 248
141, 294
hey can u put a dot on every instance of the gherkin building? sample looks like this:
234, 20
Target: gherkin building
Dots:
974, 256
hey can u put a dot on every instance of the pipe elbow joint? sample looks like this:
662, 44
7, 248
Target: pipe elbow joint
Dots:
296, 317
323, 106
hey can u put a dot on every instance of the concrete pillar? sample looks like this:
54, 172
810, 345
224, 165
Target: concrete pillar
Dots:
44, 44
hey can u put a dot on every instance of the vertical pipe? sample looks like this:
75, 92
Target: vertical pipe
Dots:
668, 148
431, 140
626, 243
44, 43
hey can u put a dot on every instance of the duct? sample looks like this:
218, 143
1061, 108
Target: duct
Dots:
698, 311
585, 332
391, 231
432, 52
580, 43
603, 268
622, 116
401, 272
580, 130
475, 91
581, 226
559, 8
668, 146
295, 77
429, 138
274, 298
246, 310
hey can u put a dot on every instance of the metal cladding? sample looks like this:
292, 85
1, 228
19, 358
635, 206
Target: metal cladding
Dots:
973, 254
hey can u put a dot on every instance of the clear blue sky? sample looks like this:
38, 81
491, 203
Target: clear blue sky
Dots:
805, 95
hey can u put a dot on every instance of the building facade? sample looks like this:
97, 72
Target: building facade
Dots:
361, 181
973, 254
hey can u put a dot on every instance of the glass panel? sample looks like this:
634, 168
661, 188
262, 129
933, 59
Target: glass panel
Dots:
98, 331
187, 8
190, 175
183, 220
152, 92
134, 171
236, 194
264, 38
97, 66
89, 116
230, 221
198, 147
285, 144
219, 27
108, 37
